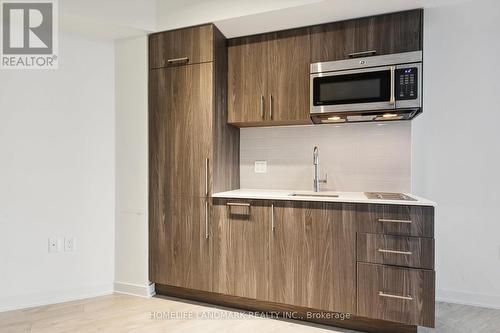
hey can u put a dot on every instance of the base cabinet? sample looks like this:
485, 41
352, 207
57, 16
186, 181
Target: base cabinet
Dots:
396, 294
312, 256
181, 252
241, 243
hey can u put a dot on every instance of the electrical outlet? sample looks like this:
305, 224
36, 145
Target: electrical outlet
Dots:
69, 244
260, 166
54, 245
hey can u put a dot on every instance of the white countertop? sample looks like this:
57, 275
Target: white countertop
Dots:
354, 197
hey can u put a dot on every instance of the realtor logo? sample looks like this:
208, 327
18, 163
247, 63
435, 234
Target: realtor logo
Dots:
29, 34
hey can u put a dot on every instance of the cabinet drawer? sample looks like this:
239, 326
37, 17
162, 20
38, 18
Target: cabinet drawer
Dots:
396, 250
396, 220
396, 294
178, 47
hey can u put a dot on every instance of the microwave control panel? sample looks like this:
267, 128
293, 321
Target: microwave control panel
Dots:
406, 83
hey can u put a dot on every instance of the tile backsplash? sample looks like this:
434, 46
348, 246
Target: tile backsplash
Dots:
356, 157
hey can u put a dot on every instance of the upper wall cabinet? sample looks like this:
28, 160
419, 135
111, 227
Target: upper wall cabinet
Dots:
376, 35
184, 46
269, 79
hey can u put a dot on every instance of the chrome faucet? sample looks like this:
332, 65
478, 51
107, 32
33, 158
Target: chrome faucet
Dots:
317, 181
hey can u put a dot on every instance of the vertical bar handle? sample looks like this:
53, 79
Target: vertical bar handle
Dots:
272, 218
206, 176
262, 106
392, 99
271, 107
206, 218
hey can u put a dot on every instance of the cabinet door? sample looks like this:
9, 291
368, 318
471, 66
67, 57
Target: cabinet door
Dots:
241, 248
179, 47
389, 33
288, 77
312, 256
184, 252
333, 41
160, 143
247, 79
188, 100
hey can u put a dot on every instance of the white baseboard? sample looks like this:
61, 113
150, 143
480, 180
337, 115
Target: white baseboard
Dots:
53, 297
460, 297
134, 289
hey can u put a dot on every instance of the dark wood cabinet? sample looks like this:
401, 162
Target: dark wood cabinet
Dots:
288, 77
395, 254
312, 256
186, 250
247, 79
192, 152
332, 41
241, 248
396, 220
415, 252
269, 79
183, 46
181, 129
396, 294
375, 35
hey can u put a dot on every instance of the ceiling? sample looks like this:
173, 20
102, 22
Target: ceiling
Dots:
124, 18
239, 17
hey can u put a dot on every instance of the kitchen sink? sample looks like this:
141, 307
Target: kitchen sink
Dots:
310, 194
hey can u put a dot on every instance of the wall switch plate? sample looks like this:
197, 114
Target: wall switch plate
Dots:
69, 244
260, 166
54, 245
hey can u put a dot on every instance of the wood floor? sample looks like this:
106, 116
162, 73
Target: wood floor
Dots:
129, 314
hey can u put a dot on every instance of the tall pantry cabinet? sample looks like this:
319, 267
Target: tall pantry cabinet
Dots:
192, 152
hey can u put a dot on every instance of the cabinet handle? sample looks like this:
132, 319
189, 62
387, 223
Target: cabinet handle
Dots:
362, 53
206, 218
392, 100
406, 253
262, 106
272, 217
183, 59
271, 107
206, 176
407, 298
238, 204
394, 221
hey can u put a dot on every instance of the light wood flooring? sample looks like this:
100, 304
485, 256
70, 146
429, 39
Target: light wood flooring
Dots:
129, 314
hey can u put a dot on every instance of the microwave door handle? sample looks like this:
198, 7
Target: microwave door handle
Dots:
392, 99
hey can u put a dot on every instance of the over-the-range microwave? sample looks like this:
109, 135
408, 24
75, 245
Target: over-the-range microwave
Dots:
376, 88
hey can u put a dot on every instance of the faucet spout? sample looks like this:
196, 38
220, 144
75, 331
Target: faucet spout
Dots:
316, 181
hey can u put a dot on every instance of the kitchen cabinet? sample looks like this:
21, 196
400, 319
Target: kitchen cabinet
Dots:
312, 256
288, 77
395, 254
192, 152
241, 257
247, 79
396, 294
181, 129
375, 35
269, 79
180, 243
182, 46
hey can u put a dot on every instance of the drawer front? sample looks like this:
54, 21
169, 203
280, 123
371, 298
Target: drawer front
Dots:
396, 250
396, 220
181, 47
396, 294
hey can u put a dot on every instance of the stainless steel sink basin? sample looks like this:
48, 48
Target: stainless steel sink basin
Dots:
309, 194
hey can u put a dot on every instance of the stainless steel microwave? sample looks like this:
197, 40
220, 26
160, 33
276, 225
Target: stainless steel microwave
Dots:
377, 88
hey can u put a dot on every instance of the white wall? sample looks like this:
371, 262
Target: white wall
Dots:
131, 230
456, 148
57, 176
356, 157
